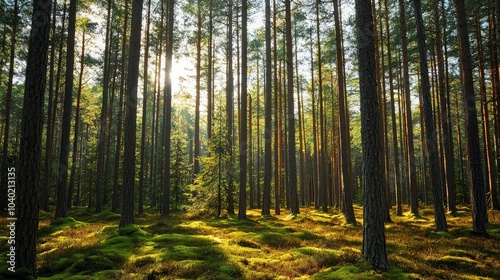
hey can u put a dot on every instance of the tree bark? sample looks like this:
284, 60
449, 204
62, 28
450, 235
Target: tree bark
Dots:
115, 195
127, 215
8, 108
430, 127
447, 140
31, 138
266, 195
474, 169
410, 156
168, 108
230, 111
244, 115
197, 148
344, 129
62, 174
374, 250
77, 124
292, 164
145, 95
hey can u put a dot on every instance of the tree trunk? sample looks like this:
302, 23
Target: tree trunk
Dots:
495, 86
476, 179
230, 110
168, 108
447, 140
127, 215
115, 195
410, 156
44, 202
322, 150
31, 139
62, 174
292, 165
430, 127
8, 108
244, 115
77, 125
344, 129
397, 179
197, 148
266, 195
209, 71
374, 251
144, 113
101, 141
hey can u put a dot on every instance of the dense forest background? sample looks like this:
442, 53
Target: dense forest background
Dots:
202, 107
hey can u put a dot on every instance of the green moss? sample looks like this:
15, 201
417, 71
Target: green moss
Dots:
92, 264
278, 240
179, 239
441, 234
247, 243
454, 262
460, 253
141, 262
342, 272
20, 273
59, 224
306, 235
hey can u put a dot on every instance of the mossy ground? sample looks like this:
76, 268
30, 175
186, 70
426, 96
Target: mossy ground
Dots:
311, 245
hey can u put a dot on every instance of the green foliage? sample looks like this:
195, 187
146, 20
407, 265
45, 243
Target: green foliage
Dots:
213, 177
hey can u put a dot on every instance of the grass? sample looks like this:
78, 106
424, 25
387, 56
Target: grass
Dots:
311, 245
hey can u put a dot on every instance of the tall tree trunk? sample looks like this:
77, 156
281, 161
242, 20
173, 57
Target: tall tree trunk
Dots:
44, 201
127, 215
8, 107
115, 195
344, 129
447, 140
292, 164
251, 182
145, 95
266, 195
277, 118
209, 71
230, 110
316, 165
101, 142
77, 124
197, 148
430, 127
62, 174
168, 108
495, 88
243, 148
488, 157
476, 179
31, 139
302, 144
380, 66
374, 250
322, 149
397, 178
410, 155
259, 149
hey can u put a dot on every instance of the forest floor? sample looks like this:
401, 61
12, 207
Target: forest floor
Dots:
312, 245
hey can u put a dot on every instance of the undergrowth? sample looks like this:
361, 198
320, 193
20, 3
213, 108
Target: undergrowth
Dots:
311, 245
